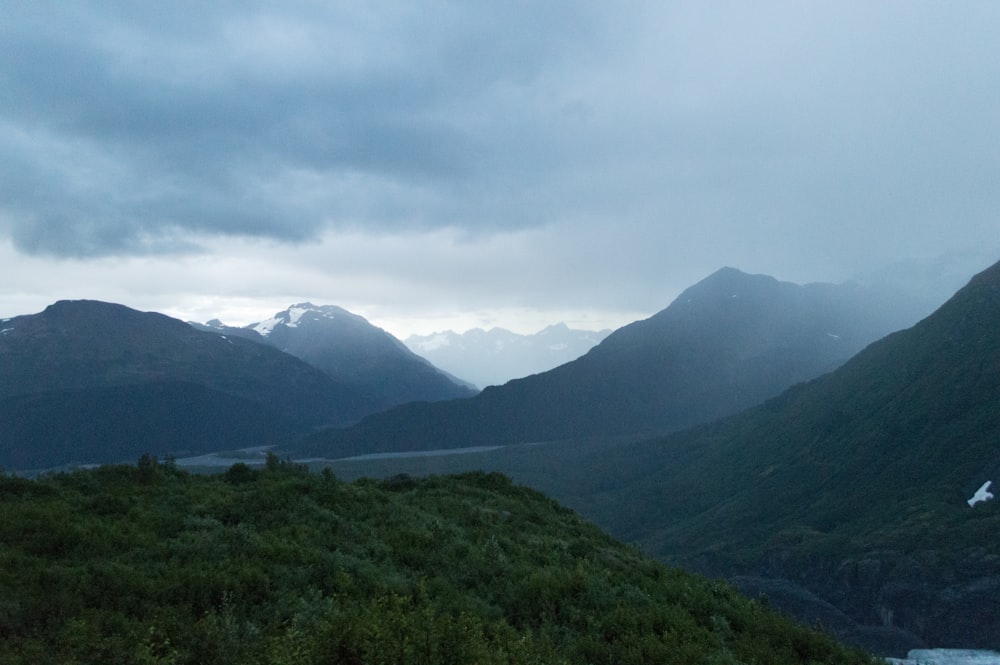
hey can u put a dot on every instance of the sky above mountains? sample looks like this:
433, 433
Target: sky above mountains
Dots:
447, 165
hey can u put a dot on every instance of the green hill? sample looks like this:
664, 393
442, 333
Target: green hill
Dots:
148, 564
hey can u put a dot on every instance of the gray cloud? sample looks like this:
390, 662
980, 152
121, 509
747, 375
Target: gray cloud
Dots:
255, 119
646, 144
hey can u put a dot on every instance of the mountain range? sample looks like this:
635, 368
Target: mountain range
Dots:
862, 500
493, 357
88, 381
348, 348
754, 429
726, 343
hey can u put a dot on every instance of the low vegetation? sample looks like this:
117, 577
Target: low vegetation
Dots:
149, 564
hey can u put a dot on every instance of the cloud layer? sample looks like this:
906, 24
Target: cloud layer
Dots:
627, 149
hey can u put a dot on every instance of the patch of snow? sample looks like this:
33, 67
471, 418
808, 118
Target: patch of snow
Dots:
294, 314
832, 336
982, 494
558, 347
265, 327
5, 330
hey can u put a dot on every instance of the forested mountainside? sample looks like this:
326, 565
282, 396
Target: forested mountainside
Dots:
87, 381
871, 487
149, 564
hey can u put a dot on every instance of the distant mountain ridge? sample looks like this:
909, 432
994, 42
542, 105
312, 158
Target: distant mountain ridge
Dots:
89, 381
493, 357
728, 342
348, 348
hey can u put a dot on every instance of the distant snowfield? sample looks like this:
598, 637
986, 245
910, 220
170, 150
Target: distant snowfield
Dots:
947, 657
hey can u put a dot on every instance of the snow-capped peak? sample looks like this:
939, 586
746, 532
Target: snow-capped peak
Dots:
292, 316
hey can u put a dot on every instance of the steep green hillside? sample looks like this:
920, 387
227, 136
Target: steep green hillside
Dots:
855, 485
150, 565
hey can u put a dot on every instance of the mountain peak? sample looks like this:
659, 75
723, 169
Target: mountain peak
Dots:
82, 306
301, 312
726, 278
560, 327
348, 346
989, 278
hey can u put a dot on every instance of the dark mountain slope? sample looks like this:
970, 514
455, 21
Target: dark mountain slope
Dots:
353, 351
726, 343
121, 423
69, 368
856, 485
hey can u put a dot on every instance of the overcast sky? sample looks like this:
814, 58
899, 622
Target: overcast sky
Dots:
435, 165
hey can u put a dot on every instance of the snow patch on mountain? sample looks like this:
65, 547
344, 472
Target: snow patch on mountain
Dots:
292, 316
982, 495
264, 328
